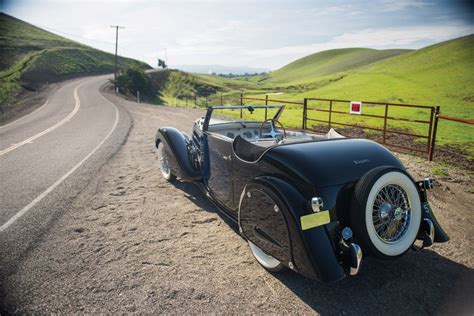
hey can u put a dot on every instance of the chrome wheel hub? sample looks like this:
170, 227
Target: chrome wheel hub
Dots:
391, 213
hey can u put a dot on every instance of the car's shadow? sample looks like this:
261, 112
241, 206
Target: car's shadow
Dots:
422, 282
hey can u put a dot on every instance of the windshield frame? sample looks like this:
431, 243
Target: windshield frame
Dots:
250, 108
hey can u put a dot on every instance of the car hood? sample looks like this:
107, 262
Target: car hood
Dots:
331, 162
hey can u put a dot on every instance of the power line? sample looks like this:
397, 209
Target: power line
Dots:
71, 34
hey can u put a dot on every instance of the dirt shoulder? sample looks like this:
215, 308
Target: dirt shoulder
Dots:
136, 243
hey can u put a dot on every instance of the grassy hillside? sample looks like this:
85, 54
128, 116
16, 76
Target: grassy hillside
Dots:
32, 57
440, 74
328, 62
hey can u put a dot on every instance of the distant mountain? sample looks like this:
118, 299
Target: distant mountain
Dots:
219, 69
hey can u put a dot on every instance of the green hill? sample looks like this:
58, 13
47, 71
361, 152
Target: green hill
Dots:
328, 62
441, 74
31, 57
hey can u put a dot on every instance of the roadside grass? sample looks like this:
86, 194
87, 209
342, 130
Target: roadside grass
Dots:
439, 171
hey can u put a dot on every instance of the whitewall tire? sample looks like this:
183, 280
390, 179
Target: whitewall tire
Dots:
387, 213
164, 163
266, 261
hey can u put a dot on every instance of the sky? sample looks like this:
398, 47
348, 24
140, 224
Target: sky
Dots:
259, 33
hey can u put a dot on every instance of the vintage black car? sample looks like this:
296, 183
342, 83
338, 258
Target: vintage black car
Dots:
312, 203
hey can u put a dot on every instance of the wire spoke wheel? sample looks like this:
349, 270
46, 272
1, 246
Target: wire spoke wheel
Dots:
386, 214
164, 164
391, 213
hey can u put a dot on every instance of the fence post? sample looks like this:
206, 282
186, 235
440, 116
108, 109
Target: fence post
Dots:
266, 103
305, 109
330, 113
430, 130
222, 100
435, 130
195, 100
241, 103
186, 102
385, 124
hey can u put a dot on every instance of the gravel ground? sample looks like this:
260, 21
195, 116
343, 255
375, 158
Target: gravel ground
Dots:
136, 243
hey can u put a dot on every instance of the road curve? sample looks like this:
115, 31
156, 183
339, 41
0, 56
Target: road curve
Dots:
48, 157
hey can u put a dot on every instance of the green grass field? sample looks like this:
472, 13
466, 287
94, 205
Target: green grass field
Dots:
441, 74
32, 57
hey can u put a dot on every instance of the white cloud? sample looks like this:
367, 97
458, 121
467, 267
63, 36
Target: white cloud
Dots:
260, 33
400, 5
402, 37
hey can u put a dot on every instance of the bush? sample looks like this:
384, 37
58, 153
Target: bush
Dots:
132, 80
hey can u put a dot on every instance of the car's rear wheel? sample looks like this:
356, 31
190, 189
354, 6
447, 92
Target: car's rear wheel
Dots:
386, 213
164, 165
268, 262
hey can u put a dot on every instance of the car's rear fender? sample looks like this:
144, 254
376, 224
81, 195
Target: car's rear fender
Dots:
176, 147
312, 250
440, 235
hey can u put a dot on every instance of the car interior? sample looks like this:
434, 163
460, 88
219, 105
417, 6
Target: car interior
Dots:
250, 140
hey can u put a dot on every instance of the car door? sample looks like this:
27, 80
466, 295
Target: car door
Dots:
220, 181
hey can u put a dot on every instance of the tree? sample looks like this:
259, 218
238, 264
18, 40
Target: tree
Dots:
132, 80
162, 64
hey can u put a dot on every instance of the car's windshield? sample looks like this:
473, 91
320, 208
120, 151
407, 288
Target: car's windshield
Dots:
245, 113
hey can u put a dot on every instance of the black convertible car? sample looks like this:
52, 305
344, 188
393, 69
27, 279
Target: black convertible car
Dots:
312, 203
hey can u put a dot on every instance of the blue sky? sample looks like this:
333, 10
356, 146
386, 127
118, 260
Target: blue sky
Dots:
256, 33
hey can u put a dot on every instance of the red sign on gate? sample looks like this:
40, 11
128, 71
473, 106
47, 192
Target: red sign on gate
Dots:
356, 107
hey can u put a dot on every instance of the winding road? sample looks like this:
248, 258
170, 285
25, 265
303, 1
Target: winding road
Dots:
48, 157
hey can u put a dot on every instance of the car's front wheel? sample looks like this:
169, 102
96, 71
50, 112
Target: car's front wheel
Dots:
164, 165
268, 262
386, 213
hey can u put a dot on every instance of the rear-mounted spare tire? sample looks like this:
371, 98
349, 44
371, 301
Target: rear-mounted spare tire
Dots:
386, 212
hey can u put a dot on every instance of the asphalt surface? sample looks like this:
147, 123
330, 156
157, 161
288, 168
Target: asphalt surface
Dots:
48, 157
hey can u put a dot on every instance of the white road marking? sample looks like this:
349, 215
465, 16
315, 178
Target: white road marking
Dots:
46, 131
24, 210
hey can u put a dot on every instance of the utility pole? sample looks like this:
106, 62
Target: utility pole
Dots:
116, 50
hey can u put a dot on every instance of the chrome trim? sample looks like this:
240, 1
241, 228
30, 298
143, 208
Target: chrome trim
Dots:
356, 258
428, 183
317, 204
430, 232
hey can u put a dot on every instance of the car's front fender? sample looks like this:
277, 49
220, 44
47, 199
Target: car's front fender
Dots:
176, 146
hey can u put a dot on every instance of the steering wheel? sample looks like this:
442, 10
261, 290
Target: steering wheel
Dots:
273, 133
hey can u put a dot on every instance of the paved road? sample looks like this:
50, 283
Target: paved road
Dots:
48, 157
